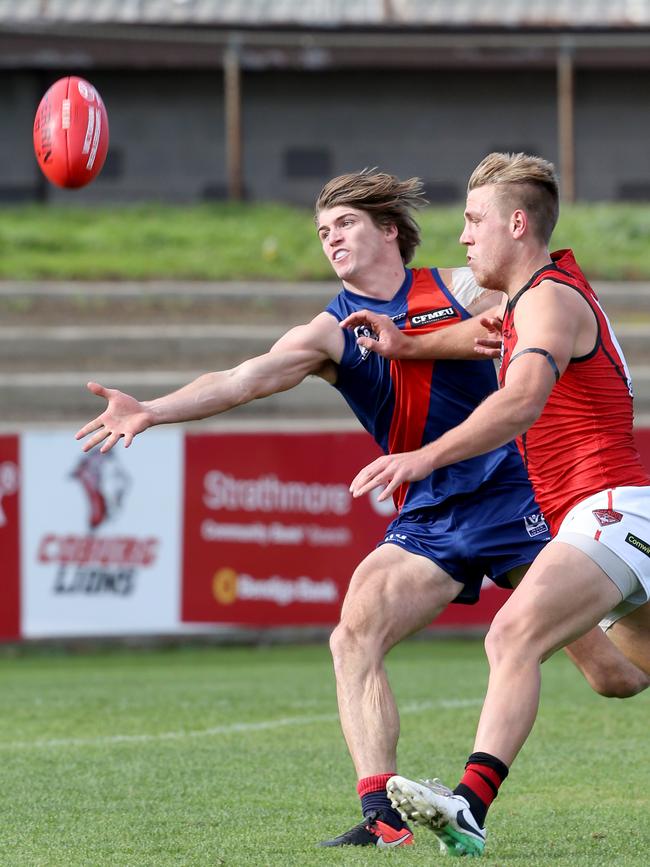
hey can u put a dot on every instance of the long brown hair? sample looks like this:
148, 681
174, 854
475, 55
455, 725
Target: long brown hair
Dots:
388, 200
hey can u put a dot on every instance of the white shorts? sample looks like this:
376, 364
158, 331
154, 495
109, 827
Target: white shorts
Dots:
613, 529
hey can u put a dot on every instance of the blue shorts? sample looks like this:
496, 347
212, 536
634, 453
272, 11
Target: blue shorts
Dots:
470, 536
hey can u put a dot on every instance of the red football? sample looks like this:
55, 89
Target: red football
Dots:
71, 133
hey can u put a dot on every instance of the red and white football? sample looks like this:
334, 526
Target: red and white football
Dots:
71, 133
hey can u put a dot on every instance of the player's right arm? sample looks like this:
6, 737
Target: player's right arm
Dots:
479, 335
460, 341
314, 348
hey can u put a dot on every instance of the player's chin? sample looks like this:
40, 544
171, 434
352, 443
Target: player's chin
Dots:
343, 269
482, 276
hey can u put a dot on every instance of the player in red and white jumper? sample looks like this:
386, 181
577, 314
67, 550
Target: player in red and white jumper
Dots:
566, 396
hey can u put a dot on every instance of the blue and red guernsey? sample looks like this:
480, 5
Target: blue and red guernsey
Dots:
406, 404
582, 443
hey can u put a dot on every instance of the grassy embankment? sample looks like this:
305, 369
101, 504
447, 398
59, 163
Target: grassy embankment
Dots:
276, 242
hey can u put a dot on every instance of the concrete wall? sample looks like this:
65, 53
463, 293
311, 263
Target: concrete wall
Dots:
167, 131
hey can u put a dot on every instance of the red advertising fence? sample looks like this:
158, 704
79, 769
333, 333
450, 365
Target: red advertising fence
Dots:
253, 530
10, 537
272, 534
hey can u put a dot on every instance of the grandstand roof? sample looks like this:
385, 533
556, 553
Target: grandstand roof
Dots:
534, 14
320, 34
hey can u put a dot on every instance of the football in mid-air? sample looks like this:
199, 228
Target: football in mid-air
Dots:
71, 133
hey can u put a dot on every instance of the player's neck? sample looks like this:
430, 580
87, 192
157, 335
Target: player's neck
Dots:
524, 269
380, 282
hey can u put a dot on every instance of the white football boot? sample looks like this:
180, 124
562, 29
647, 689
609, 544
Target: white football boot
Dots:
429, 803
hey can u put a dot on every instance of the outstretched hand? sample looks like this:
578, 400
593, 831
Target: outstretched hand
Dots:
378, 333
391, 471
123, 418
490, 346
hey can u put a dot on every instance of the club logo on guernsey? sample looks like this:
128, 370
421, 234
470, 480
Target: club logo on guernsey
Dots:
536, 525
605, 517
429, 316
364, 331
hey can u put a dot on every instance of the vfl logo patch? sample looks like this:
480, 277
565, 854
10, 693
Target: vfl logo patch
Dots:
364, 331
535, 525
607, 516
430, 316
398, 538
639, 544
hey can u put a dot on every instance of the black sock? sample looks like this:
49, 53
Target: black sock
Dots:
378, 801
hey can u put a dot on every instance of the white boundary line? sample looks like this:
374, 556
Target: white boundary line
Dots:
230, 728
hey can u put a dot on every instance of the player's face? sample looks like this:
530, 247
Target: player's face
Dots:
351, 241
487, 237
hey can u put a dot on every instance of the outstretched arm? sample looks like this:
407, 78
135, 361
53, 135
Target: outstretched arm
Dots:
307, 349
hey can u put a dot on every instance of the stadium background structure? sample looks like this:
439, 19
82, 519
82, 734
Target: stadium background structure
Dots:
266, 100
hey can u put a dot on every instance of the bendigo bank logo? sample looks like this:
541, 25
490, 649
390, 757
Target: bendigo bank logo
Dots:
229, 586
94, 564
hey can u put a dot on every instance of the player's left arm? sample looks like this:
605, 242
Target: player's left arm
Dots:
549, 323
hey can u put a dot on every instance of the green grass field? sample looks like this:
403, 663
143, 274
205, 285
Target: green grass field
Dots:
233, 756
268, 241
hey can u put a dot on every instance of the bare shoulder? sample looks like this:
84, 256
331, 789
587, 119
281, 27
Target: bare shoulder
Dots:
474, 298
562, 312
551, 295
447, 275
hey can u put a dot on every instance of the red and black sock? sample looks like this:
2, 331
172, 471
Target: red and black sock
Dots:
480, 783
372, 791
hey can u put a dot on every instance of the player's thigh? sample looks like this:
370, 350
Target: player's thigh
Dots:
394, 593
631, 634
562, 595
593, 652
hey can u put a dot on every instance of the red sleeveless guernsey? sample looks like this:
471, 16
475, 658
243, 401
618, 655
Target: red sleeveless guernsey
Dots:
582, 443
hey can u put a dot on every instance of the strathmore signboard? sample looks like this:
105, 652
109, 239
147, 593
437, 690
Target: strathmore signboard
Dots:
190, 532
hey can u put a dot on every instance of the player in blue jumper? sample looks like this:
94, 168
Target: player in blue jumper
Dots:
472, 519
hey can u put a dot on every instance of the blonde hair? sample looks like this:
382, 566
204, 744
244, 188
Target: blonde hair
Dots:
388, 200
530, 184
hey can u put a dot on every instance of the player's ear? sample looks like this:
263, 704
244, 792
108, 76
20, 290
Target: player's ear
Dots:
391, 232
518, 223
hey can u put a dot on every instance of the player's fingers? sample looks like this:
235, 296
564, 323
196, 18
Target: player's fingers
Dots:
380, 476
488, 347
487, 353
492, 323
368, 472
370, 485
95, 440
359, 317
98, 389
110, 441
360, 479
388, 490
93, 425
128, 439
370, 344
